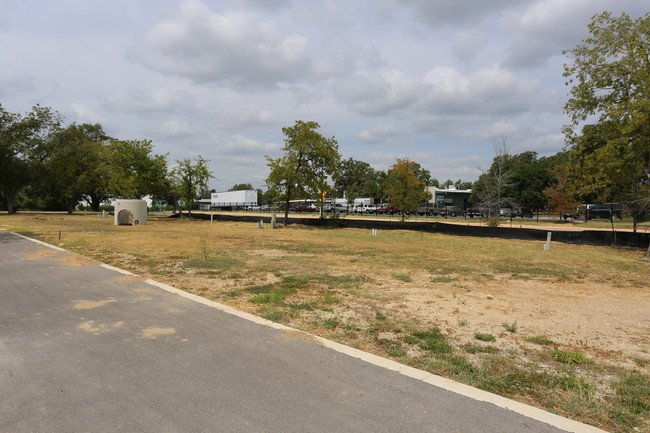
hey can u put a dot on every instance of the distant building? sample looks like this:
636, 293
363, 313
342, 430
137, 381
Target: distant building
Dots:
449, 197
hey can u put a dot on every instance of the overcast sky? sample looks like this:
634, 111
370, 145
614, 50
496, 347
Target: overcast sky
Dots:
436, 81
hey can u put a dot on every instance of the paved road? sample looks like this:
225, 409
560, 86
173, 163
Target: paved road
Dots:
86, 349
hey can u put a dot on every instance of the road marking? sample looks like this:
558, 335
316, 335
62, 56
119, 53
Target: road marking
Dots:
424, 376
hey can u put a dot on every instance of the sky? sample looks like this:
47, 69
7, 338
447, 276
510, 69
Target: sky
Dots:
436, 81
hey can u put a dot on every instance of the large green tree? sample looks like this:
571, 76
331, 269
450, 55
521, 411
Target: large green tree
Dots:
190, 180
354, 179
22, 141
136, 171
308, 160
609, 76
405, 190
75, 163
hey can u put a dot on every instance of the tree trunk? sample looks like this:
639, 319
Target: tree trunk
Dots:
95, 202
286, 206
10, 206
70, 206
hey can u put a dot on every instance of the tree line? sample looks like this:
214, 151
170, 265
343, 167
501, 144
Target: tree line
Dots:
49, 166
46, 165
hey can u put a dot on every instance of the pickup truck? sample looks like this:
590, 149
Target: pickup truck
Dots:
608, 210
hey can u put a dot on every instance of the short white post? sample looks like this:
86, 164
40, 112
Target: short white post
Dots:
547, 244
211, 217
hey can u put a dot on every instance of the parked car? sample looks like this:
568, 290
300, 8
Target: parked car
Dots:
387, 210
447, 211
303, 208
608, 210
475, 211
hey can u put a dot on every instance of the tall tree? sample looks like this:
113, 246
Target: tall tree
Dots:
608, 76
493, 184
75, 159
22, 140
560, 199
190, 180
308, 160
135, 171
352, 177
404, 188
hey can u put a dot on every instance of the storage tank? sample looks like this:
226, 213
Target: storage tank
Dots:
130, 212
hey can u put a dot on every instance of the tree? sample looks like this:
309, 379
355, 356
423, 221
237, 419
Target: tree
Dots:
22, 140
559, 195
190, 180
308, 160
404, 189
354, 178
241, 187
493, 184
75, 163
609, 79
135, 171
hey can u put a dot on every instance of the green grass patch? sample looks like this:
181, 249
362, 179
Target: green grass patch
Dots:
473, 349
331, 324
634, 392
274, 315
442, 279
570, 357
403, 277
541, 341
267, 298
433, 341
221, 263
484, 337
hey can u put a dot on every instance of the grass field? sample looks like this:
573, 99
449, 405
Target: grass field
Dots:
566, 330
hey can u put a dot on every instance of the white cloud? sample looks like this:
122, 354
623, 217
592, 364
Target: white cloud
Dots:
85, 114
235, 47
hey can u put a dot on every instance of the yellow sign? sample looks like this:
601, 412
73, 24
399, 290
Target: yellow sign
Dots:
324, 194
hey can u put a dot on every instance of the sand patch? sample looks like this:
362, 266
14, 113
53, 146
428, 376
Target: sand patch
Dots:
41, 254
155, 332
87, 305
99, 328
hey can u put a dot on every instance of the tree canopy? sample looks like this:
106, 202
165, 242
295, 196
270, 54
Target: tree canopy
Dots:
308, 160
190, 180
405, 190
610, 81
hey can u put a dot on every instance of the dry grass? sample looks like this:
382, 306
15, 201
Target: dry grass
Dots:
416, 297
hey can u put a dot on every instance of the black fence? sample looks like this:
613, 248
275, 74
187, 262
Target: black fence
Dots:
585, 237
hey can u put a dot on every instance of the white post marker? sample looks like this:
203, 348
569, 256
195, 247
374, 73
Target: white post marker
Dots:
547, 244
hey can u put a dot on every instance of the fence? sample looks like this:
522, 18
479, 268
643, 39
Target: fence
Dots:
585, 237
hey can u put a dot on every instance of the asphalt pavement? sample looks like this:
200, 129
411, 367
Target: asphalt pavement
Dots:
84, 348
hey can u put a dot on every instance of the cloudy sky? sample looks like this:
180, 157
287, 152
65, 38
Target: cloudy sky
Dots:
436, 81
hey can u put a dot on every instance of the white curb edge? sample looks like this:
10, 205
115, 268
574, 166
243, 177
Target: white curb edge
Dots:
424, 376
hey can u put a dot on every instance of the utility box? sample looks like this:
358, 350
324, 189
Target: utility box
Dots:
130, 212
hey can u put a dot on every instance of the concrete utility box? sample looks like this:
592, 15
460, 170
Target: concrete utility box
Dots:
130, 212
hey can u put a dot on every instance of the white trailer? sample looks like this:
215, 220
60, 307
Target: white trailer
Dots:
246, 197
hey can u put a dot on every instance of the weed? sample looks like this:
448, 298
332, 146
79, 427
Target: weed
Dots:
267, 298
570, 357
205, 248
233, 293
472, 349
309, 306
433, 341
634, 392
331, 324
442, 279
380, 316
484, 337
403, 277
274, 315
463, 322
510, 327
541, 341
